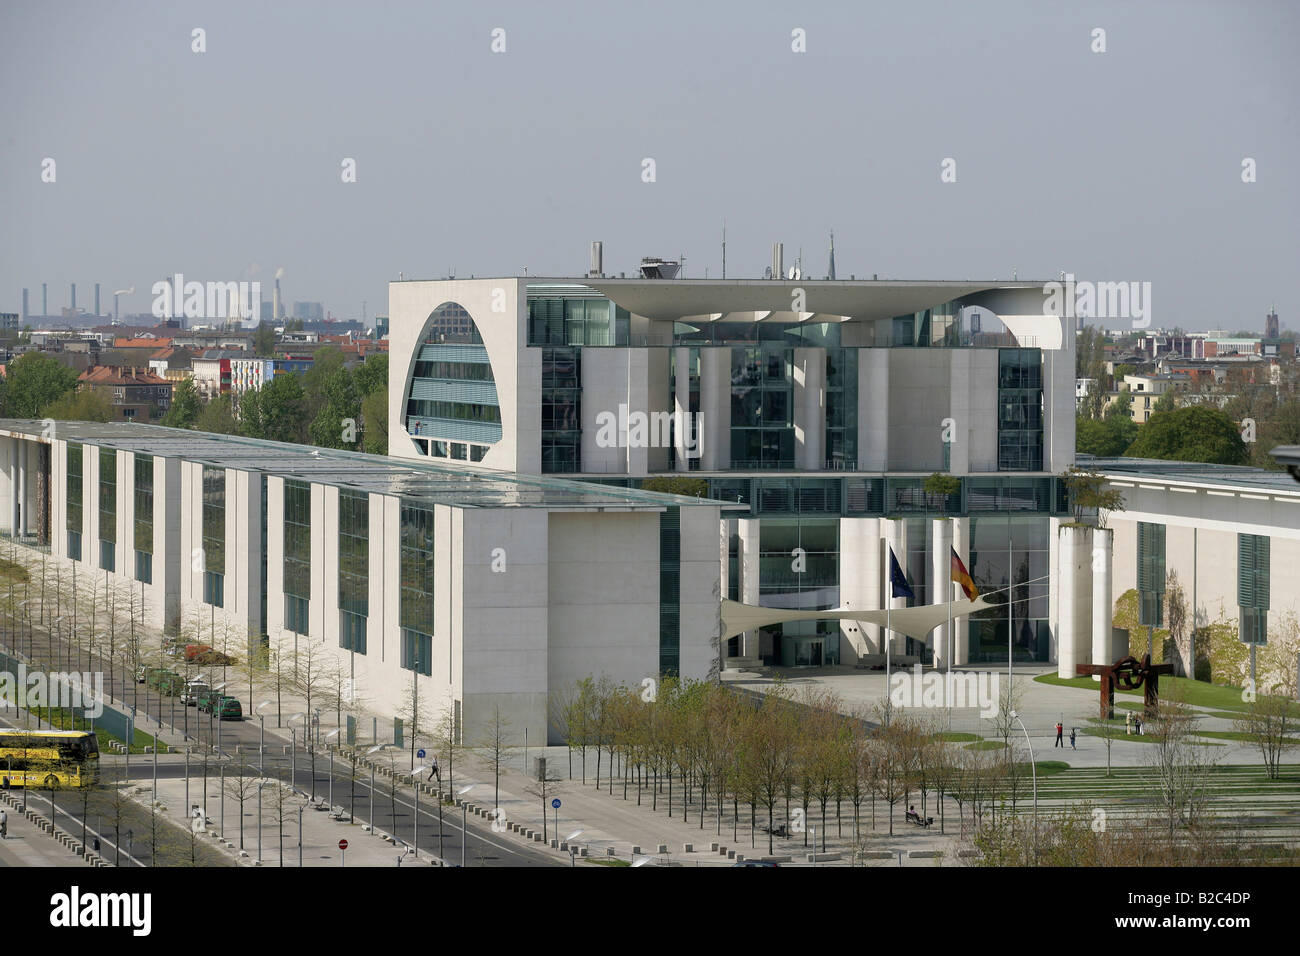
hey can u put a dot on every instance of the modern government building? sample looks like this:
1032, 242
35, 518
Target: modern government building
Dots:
505, 547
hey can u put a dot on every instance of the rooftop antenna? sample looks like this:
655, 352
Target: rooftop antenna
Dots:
831, 269
724, 248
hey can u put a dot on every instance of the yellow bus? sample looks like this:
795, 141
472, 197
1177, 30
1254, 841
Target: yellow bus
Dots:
61, 759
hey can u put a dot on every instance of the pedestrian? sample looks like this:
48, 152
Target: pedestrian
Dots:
1073, 732
1128, 723
433, 770
1137, 724
4, 825
1059, 741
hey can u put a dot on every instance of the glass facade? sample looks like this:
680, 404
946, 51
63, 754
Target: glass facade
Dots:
453, 394
561, 410
297, 556
74, 493
762, 407
1253, 586
143, 530
107, 509
841, 409
576, 319
1020, 410
354, 569
416, 604
214, 535
1003, 548
798, 567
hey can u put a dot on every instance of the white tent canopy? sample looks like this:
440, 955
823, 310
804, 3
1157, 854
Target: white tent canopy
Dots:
915, 622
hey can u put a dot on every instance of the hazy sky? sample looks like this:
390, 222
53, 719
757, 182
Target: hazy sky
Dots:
224, 165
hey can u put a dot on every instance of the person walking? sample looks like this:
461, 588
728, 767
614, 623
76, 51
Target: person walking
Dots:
4, 825
433, 770
1059, 731
1073, 732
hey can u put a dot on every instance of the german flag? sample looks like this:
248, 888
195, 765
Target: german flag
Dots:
960, 576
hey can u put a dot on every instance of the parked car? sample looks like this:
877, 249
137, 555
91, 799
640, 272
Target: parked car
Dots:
166, 681
208, 700
230, 709
141, 673
192, 651
193, 691
211, 658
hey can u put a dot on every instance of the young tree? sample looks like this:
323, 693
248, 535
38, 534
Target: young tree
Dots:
185, 407
1271, 721
1087, 492
33, 381
495, 747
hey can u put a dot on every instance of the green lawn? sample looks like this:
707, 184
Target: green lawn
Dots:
986, 745
1197, 693
956, 737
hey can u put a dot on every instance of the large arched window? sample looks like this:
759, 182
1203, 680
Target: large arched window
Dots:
451, 405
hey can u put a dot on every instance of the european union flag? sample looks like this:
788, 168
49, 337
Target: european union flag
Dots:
899, 586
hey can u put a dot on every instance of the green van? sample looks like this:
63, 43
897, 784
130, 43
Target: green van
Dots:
230, 709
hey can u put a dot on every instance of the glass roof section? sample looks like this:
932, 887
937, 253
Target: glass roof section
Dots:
447, 482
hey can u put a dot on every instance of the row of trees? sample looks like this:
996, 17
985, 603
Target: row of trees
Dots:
791, 760
329, 405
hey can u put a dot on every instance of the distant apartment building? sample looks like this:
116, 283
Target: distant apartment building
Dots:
1082, 389
8, 320
137, 395
211, 373
1272, 327
249, 374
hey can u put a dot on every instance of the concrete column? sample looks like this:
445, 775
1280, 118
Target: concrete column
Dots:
1102, 547
14, 449
873, 409
859, 584
23, 519
810, 408
1076, 599
747, 528
681, 404
1054, 587
942, 589
715, 408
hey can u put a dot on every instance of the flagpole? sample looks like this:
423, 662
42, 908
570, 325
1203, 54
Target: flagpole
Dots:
889, 601
947, 691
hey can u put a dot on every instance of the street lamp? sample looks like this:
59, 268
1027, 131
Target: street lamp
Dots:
374, 750
330, 744
300, 810
261, 740
261, 784
464, 821
415, 829
573, 850
1034, 769
293, 749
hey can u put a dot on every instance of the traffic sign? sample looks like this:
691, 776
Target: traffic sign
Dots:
343, 844
556, 803
419, 754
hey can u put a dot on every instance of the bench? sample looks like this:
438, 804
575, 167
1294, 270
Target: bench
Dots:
916, 820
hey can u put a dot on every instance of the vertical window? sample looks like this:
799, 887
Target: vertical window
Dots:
1253, 586
297, 555
1151, 574
1020, 410
107, 509
416, 566
144, 518
354, 569
74, 501
670, 573
214, 535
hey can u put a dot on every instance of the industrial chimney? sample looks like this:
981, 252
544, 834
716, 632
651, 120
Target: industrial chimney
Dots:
777, 259
74, 298
97, 298
45, 299
597, 270
24, 306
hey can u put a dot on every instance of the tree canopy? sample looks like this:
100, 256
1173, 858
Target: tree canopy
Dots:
34, 381
1194, 433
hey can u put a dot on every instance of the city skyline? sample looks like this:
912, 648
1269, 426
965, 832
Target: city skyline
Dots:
496, 162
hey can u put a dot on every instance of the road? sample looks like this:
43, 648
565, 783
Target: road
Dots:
392, 814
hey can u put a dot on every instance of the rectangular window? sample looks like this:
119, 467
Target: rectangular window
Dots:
74, 482
1151, 574
670, 572
1020, 410
144, 503
416, 569
214, 535
144, 567
417, 652
1253, 586
297, 554
354, 569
